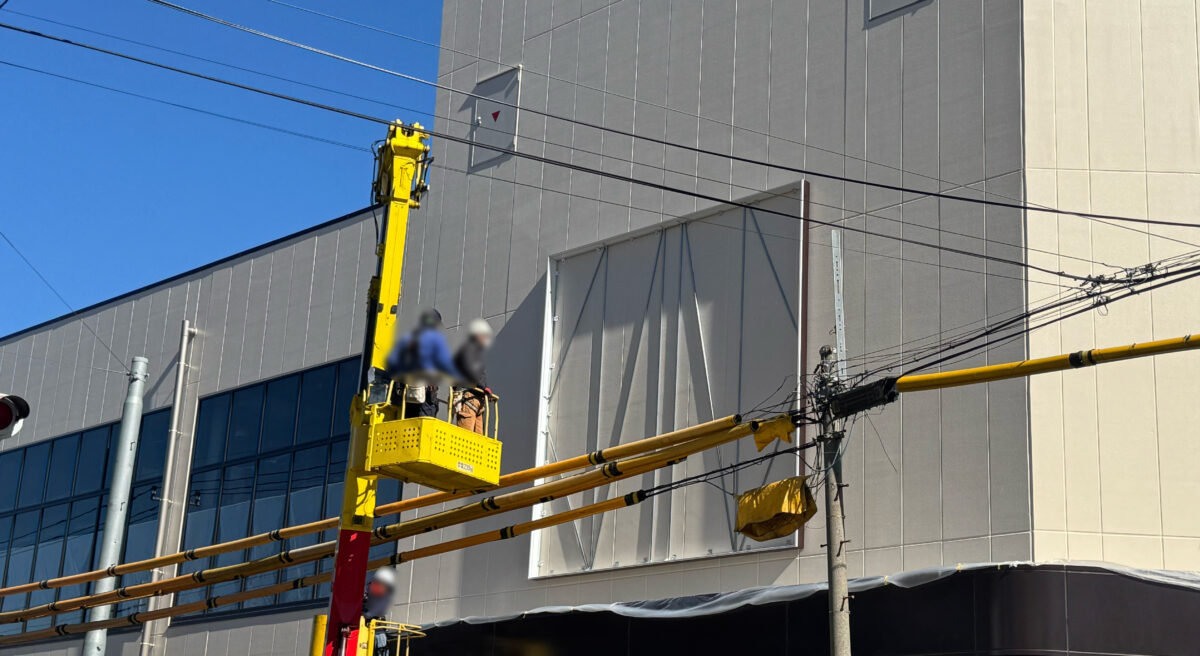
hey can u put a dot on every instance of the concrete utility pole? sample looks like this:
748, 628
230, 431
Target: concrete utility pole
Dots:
835, 529
95, 643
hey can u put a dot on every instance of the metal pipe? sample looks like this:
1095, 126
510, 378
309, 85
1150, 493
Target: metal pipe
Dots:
96, 641
508, 480
316, 639
611, 472
320, 622
169, 495
1062, 362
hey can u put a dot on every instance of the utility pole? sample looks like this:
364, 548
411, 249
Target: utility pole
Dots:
835, 529
96, 642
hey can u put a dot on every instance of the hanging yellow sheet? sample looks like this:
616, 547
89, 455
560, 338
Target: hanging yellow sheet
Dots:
775, 510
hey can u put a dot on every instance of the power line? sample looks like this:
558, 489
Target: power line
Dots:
226, 64
632, 135
1193, 272
189, 108
538, 158
866, 213
72, 310
687, 114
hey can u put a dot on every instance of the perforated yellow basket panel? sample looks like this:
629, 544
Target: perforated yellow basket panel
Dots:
434, 453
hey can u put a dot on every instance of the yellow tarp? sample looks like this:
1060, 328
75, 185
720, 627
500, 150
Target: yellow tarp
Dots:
775, 510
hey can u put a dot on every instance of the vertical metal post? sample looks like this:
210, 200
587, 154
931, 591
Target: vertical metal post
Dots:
170, 496
835, 529
839, 312
95, 643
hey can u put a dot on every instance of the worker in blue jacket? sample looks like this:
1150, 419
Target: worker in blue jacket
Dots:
418, 359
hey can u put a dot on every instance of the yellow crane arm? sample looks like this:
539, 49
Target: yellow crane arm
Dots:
880, 392
1076, 360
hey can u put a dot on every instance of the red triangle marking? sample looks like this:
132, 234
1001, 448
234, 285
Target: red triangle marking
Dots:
495, 115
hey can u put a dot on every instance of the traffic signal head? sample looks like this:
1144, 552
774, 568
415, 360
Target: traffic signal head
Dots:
13, 411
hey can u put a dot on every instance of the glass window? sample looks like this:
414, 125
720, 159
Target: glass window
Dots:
62, 467
279, 420
387, 490
20, 557
333, 501
347, 387
152, 445
77, 556
305, 505
140, 537
5, 535
233, 518
93, 456
48, 559
212, 421
316, 405
33, 482
270, 502
10, 476
203, 492
244, 422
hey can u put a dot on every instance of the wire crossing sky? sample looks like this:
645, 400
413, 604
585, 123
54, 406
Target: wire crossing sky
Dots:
105, 192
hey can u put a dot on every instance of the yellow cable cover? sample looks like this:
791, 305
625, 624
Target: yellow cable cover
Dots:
775, 510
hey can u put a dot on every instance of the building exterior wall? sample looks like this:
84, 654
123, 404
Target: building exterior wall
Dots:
285, 307
1112, 115
927, 96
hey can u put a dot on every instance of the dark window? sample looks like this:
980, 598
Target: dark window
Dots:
62, 467
305, 505
279, 417
347, 387
233, 518
10, 476
212, 424
333, 501
387, 490
20, 557
316, 405
93, 458
48, 559
200, 526
270, 502
33, 482
77, 556
140, 537
5, 536
244, 422
152, 445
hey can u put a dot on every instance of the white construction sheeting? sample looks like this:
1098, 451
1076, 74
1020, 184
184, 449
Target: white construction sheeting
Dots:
659, 331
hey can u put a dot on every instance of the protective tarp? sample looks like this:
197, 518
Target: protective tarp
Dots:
712, 604
775, 510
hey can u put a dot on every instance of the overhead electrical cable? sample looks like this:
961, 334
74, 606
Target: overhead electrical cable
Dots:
71, 310
539, 158
687, 114
873, 213
189, 108
664, 142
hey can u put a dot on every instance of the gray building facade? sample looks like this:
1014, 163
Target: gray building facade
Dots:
622, 311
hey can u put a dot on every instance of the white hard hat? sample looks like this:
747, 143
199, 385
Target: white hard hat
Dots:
386, 576
480, 327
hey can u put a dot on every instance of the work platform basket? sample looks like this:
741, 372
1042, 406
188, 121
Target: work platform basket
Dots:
437, 453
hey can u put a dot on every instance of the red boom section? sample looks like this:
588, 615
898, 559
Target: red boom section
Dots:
346, 597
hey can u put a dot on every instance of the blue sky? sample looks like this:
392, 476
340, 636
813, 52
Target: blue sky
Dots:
105, 193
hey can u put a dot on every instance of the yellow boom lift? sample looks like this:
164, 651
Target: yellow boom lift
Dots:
383, 442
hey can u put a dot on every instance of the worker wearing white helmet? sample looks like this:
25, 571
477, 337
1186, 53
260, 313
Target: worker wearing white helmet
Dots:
377, 602
471, 407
